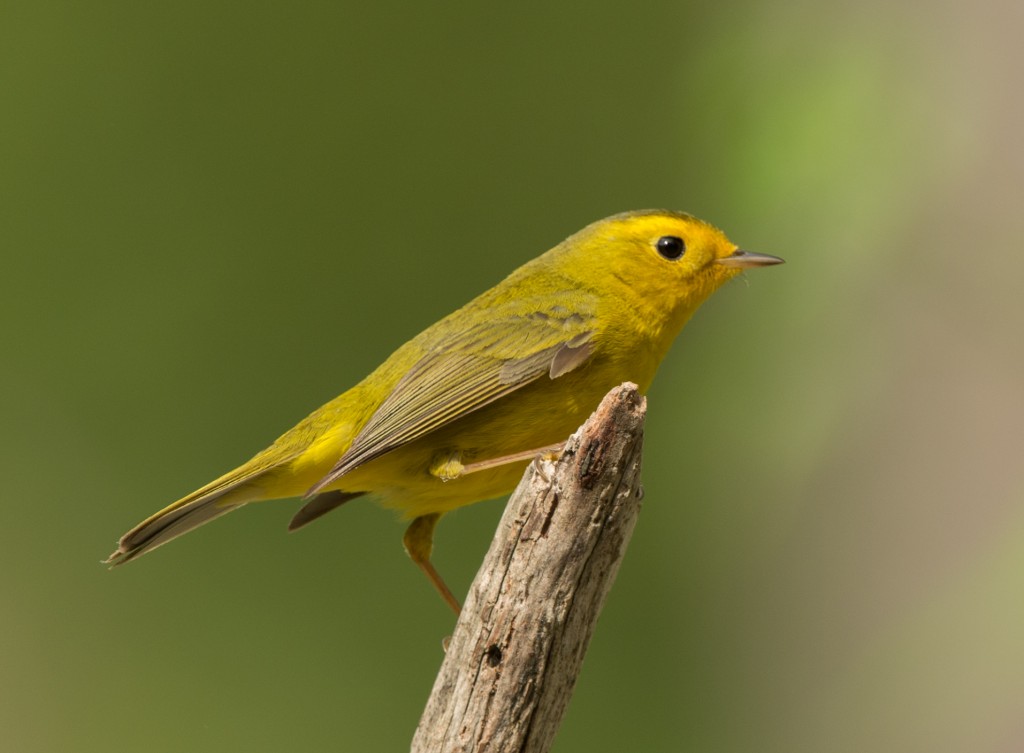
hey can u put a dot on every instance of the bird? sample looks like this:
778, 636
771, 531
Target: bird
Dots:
455, 414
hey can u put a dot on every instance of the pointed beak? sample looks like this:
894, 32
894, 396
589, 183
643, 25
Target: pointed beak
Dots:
741, 258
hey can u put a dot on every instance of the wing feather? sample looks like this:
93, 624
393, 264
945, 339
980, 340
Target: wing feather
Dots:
467, 372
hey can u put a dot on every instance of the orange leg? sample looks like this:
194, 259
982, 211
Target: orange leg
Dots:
541, 452
419, 543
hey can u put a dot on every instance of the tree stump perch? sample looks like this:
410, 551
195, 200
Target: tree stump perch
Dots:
517, 648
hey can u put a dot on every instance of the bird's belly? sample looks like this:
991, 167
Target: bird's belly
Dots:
424, 494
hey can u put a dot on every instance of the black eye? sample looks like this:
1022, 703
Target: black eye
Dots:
671, 247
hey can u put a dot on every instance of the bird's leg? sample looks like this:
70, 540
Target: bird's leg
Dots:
419, 543
551, 452
448, 466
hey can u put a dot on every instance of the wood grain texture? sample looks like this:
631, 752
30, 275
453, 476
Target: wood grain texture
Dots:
513, 660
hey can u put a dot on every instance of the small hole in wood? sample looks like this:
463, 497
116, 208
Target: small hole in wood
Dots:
494, 655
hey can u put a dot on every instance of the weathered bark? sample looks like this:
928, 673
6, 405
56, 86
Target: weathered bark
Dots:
517, 648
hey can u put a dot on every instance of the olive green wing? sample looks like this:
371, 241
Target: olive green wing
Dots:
512, 348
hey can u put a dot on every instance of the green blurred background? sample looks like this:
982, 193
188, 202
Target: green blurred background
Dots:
216, 216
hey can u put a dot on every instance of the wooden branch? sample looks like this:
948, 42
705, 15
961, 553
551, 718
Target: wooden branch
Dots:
512, 662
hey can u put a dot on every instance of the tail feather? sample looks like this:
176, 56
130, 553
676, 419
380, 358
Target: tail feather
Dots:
321, 504
215, 499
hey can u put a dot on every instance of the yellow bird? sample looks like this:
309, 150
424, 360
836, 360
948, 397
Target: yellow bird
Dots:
453, 416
